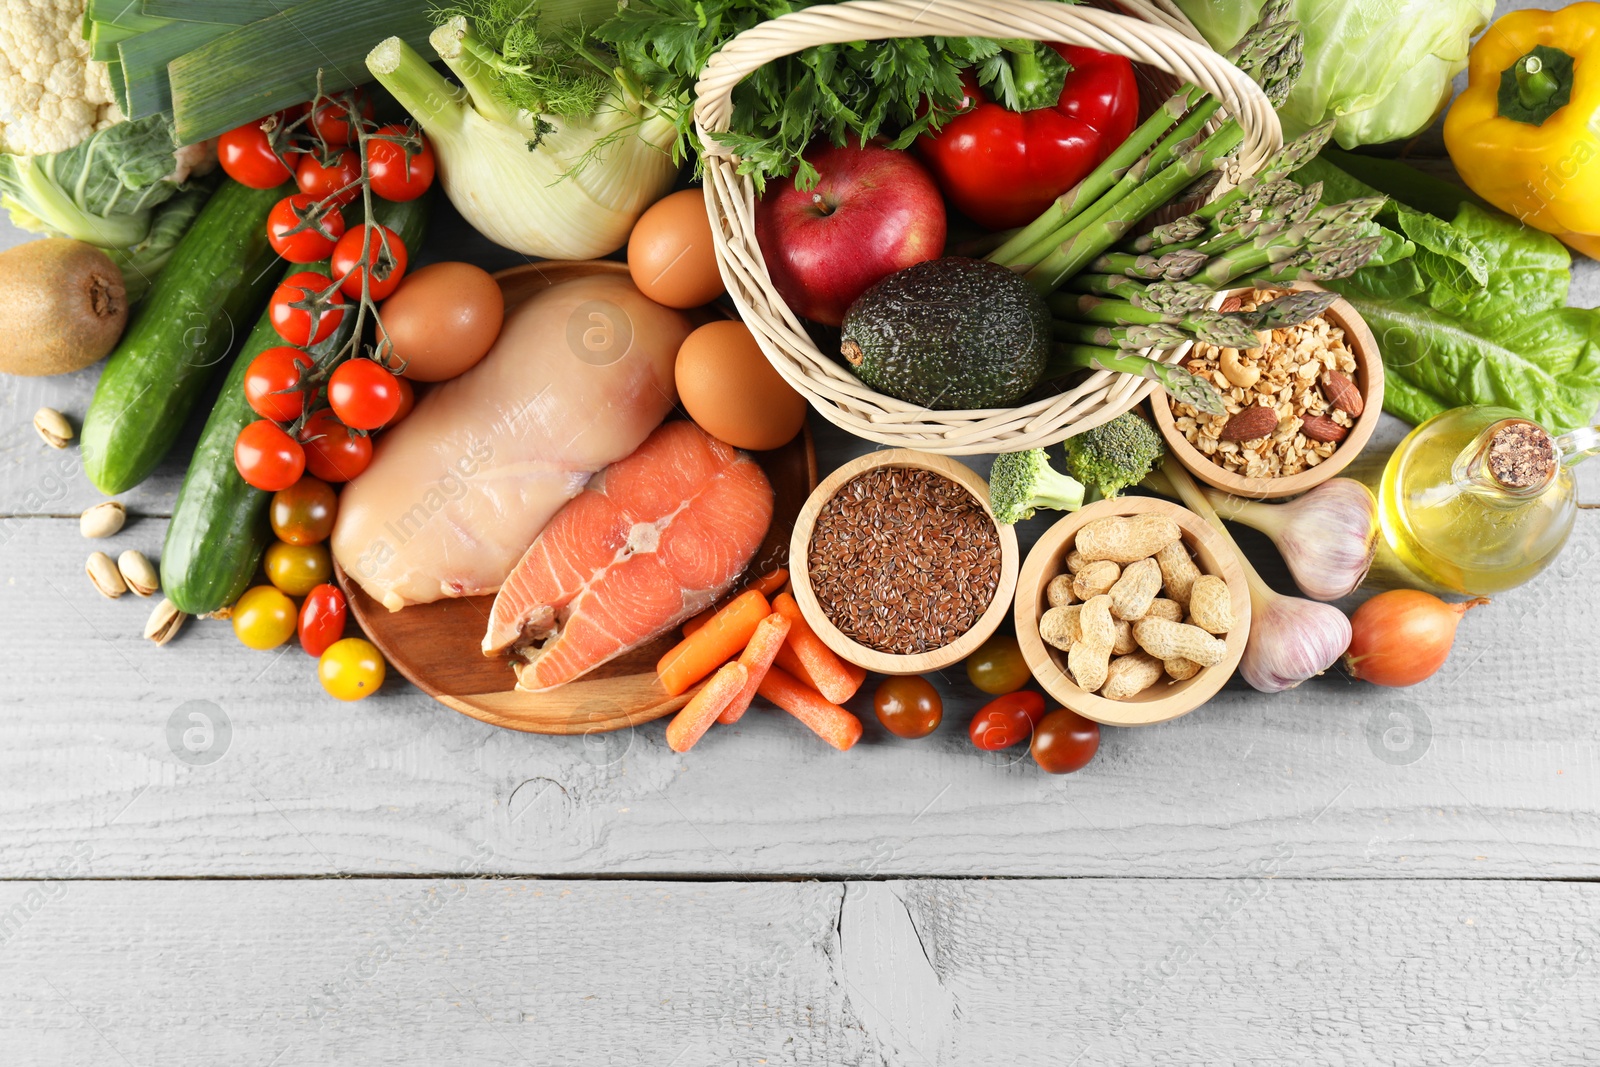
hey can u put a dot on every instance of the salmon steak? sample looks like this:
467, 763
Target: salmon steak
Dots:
653, 539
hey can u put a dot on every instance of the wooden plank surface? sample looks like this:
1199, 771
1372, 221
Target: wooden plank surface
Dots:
1262, 970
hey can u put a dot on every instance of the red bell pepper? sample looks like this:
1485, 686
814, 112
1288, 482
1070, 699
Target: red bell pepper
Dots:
1002, 168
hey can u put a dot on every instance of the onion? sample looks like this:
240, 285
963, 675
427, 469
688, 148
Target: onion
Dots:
1400, 637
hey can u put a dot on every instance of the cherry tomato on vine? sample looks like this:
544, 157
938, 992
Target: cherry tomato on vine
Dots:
408, 400
363, 394
351, 669
334, 453
331, 116
998, 667
297, 569
321, 619
263, 618
385, 262
908, 706
1065, 741
303, 514
246, 155
333, 178
301, 233
266, 457
1006, 720
294, 324
272, 383
393, 176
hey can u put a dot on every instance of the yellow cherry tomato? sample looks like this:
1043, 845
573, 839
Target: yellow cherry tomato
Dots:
263, 618
351, 669
998, 667
298, 569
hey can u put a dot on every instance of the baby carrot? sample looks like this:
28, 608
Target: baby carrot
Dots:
714, 644
791, 663
828, 721
825, 669
696, 717
757, 658
765, 584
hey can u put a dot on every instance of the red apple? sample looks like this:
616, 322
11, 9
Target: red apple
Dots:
873, 211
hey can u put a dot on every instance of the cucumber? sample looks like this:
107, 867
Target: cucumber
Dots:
219, 276
219, 525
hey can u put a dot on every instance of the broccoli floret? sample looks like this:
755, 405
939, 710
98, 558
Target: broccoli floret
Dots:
1115, 455
1023, 481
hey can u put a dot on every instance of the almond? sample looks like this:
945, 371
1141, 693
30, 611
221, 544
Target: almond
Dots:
1321, 428
1342, 394
1250, 424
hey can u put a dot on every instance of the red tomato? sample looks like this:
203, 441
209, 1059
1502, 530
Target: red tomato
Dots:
393, 175
246, 156
321, 619
294, 324
300, 232
363, 394
268, 458
335, 178
408, 400
1065, 741
272, 383
1003, 722
331, 116
334, 452
908, 706
386, 256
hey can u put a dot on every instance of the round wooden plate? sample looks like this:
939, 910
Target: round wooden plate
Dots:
437, 646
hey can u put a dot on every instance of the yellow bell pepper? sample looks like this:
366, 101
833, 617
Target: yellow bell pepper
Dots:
1525, 133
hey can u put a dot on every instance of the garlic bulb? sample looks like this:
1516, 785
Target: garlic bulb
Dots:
1291, 639
1328, 537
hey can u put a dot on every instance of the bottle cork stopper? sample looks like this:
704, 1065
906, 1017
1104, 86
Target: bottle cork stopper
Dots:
1521, 456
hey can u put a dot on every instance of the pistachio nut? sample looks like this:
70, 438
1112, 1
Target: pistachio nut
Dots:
138, 572
103, 519
53, 427
165, 622
105, 576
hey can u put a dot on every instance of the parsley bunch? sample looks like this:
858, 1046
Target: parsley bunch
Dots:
556, 58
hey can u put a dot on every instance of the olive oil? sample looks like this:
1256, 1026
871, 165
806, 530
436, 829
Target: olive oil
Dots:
1479, 500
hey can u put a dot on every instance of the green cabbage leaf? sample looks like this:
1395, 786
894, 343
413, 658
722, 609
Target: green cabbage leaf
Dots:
1381, 68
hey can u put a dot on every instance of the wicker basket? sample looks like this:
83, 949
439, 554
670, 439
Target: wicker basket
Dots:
1153, 34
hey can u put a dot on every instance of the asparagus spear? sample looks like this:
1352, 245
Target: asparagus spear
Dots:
1174, 267
1211, 327
1290, 309
1184, 387
1130, 338
1288, 159
1168, 298
1322, 264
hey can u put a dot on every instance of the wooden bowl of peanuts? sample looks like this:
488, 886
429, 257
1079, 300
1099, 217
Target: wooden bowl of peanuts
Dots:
1300, 407
1141, 598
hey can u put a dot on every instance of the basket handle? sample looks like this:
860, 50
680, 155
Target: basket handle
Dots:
1145, 42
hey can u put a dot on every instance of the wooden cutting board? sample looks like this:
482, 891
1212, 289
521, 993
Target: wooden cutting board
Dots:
437, 646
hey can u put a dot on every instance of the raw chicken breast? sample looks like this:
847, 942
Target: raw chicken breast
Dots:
655, 538
580, 376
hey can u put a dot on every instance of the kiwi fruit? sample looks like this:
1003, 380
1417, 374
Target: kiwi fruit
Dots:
62, 307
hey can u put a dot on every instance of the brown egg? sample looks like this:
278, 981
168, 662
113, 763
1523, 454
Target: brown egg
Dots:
441, 321
670, 254
729, 388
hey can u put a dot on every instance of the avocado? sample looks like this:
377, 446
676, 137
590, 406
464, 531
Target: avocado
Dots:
949, 334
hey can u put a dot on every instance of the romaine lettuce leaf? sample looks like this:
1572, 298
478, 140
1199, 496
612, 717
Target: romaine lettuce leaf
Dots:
1478, 315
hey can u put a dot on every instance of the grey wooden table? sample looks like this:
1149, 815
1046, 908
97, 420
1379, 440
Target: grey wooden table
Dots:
1339, 874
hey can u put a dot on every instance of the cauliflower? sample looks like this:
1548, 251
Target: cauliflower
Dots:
51, 94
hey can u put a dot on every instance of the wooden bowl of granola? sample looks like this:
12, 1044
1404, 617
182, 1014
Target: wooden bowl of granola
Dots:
1328, 396
898, 564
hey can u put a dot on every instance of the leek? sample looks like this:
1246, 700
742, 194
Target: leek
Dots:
561, 186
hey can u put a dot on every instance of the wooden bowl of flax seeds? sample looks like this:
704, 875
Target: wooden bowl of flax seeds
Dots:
899, 565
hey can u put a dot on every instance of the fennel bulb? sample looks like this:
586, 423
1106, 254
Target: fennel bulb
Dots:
560, 187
